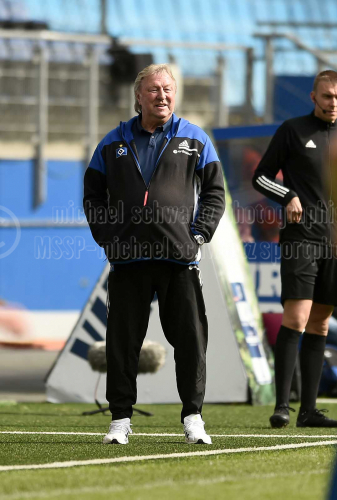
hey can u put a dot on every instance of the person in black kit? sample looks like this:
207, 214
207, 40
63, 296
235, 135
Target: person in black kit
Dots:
153, 194
301, 150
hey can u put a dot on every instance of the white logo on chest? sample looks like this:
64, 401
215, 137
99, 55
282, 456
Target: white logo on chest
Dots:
310, 144
184, 148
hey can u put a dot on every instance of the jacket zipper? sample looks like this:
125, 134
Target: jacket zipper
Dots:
140, 171
134, 157
155, 168
156, 165
145, 197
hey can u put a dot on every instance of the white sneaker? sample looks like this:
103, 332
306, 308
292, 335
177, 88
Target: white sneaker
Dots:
194, 430
119, 431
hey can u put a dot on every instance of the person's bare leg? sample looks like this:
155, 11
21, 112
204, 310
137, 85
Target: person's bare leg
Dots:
296, 314
318, 322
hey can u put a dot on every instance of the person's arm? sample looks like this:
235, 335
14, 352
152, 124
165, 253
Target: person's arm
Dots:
95, 199
211, 203
272, 162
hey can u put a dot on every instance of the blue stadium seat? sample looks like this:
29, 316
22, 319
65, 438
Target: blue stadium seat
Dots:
230, 21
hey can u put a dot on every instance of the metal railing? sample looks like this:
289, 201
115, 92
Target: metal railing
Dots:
41, 70
269, 57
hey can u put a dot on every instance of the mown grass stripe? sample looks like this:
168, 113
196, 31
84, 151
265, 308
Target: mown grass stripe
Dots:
156, 484
105, 461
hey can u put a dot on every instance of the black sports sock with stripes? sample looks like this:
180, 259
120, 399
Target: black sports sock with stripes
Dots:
311, 358
286, 350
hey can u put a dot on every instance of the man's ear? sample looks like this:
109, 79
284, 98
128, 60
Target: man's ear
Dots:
313, 96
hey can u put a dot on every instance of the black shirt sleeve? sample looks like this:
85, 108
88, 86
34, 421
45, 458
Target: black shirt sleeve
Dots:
274, 160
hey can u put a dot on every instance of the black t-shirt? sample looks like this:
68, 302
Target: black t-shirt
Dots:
301, 148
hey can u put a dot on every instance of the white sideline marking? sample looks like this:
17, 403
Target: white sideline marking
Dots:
101, 461
55, 433
318, 436
135, 434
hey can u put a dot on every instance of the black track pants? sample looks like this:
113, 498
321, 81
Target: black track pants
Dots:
183, 318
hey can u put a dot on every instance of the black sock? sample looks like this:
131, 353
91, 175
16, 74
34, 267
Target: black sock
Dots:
311, 357
286, 349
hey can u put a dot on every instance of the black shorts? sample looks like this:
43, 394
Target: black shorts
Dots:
309, 271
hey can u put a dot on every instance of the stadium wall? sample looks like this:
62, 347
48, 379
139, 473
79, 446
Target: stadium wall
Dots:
52, 262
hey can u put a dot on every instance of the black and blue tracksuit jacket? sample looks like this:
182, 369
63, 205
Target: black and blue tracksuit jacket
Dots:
133, 220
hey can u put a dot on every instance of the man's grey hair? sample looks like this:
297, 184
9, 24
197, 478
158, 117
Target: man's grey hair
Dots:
153, 69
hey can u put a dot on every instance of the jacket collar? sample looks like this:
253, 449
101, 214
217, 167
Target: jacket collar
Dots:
125, 128
164, 128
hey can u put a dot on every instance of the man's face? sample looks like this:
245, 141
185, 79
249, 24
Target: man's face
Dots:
157, 97
325, 98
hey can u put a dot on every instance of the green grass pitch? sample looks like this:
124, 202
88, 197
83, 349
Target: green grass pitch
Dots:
280, 473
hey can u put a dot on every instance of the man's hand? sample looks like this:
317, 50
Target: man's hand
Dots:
294, 210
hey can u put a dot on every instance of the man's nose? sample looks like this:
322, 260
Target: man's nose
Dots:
161, 94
